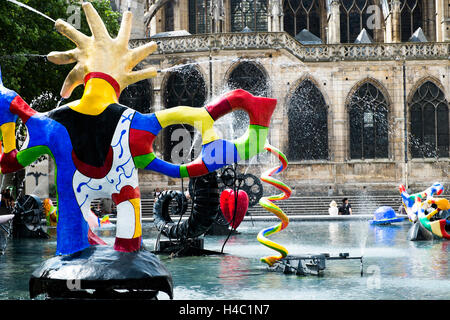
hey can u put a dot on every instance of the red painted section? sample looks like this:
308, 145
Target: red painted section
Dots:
141, 142
259, 109
234, 215
127, 245
197, 168
126, 193
442, 224
219, 108
106, 77
9, 163
22, 109
91, 171
95, 239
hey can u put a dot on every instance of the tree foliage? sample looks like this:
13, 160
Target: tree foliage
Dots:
26, 38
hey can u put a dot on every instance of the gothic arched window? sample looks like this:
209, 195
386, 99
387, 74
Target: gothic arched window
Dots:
411, 17
185, 87
169, 17
251, 78
301, 14
248, 13
429, 122
199, 19
354, 16
138, 96
308, 124
368, 116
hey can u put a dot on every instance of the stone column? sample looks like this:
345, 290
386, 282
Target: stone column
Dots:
395, 21
181, 15
227, 16
442, 21
430, 20
334, 23
275, 16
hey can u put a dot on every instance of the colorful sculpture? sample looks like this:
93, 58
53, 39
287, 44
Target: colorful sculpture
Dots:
266, 202
97, 144
51, 213
385, 215
412, 202
233, 209
440, 227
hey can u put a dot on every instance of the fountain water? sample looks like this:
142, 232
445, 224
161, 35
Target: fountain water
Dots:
23, 5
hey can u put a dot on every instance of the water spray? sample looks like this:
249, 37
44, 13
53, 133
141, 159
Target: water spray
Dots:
20, 4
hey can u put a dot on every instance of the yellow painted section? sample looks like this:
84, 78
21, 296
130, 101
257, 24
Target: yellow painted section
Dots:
436, 228
199, 118
137, 216
98, 95
431, 214
9, 136
442, 203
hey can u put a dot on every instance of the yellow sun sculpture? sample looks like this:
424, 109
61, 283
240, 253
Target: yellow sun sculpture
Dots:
101, 53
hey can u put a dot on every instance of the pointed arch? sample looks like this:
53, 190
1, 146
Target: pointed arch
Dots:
429, 120
250, 14
308, 123
411, 17
252, 77
138, 96
183, 87
368, 115
303, 14
354, 16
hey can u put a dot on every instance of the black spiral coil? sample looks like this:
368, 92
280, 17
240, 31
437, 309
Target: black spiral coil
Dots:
205, 200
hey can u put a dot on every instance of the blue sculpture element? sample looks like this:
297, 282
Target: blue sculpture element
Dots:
385, 215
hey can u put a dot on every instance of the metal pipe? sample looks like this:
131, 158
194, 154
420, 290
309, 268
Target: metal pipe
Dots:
405, 128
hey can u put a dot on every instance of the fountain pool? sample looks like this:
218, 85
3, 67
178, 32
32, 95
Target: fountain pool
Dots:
394, 268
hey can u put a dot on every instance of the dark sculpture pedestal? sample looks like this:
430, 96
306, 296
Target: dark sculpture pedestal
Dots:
100, 272
417, 232
183, 248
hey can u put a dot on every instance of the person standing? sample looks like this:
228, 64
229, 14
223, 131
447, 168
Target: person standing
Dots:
346, 208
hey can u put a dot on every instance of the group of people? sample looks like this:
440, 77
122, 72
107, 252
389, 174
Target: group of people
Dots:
344, 209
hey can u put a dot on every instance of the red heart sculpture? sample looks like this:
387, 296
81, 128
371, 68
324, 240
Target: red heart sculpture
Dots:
227, 202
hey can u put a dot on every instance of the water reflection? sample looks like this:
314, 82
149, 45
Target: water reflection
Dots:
407, 269
385, 234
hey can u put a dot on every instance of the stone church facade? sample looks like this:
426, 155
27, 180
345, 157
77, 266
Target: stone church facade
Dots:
363, 86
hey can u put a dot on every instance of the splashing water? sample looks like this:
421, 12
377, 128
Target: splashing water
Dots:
178, 68
20, 4
28, 55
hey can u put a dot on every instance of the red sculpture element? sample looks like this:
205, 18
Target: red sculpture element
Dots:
146, 145
92, 171
106, 77
227, 205
126, 193
259, 109
9, 163
127, 245
22, 109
